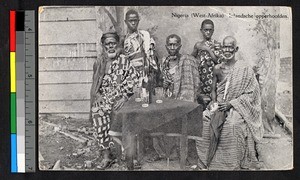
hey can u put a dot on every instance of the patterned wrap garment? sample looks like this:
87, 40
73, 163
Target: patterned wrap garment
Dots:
136, 47
206, 66
139, 48
183, 78
118, 82
243, 126
168, 74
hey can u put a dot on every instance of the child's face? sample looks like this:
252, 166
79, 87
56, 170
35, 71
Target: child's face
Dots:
207, 31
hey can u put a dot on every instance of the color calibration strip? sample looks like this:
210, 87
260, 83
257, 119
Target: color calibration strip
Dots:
22, 88
13, 105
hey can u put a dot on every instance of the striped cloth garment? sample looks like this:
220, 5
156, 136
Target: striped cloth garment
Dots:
243, 125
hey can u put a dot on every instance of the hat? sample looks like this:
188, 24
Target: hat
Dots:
108, 35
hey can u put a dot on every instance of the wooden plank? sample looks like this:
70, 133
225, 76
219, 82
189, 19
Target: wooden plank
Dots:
84, 116
65, 77
67, 32
64, 92
67, 13
60, 64
64, 106
72, 136
68, 50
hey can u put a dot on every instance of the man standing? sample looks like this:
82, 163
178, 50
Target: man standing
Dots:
208, 52
139, 47
237, 93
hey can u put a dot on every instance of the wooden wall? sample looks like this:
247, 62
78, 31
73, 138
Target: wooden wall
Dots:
67, 50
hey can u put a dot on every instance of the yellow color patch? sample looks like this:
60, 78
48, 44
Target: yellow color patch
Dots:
12, 71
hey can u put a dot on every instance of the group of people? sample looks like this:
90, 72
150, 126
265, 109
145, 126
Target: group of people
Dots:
211, 76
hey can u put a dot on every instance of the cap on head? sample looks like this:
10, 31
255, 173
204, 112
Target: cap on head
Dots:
108, 35
173, 36
131, 11
207, 21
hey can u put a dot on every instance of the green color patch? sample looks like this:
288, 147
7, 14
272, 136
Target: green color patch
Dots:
13, 113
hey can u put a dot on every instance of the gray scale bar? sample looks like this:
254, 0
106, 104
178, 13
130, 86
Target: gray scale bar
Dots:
29, 21
30, 151
28, 46
20, 69
30, 95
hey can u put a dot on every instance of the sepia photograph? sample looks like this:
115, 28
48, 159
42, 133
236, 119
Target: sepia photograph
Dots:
165, 88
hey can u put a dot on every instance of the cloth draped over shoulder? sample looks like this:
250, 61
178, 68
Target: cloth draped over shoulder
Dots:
110, 84
216, 125
140, 51
243, 93
98, 74
228, 138
134, 47
186, 79
137, 48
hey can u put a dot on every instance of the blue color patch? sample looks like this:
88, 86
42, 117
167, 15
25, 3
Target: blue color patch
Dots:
14, 164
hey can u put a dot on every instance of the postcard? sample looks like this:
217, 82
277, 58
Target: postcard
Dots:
165, 88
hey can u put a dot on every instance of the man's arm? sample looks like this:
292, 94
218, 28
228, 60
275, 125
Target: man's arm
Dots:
201, 47
195, 50
211, 53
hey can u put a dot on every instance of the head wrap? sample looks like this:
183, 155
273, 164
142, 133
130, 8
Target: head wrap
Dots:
108, 35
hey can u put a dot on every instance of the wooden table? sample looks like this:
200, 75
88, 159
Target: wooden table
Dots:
171, 116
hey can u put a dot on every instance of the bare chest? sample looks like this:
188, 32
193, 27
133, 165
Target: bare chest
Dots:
224, 72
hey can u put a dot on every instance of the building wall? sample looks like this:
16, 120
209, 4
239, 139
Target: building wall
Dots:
67, 50
285, 70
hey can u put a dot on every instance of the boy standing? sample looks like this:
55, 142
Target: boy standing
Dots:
208, 52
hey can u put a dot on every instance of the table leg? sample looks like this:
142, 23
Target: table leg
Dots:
168, 146
140, 147
129, 147
183, 143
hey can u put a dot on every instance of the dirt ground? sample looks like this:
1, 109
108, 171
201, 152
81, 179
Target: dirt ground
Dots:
73, 155
277, 153
69, 154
